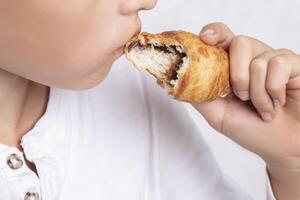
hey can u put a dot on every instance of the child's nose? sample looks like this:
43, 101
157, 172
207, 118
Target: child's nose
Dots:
148, 4
133, 6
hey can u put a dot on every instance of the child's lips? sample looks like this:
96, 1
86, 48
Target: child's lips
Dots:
138, 31
118, 52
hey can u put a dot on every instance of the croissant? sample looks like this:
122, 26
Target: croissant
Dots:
183, 65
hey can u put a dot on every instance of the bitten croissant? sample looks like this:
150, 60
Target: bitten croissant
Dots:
183, 65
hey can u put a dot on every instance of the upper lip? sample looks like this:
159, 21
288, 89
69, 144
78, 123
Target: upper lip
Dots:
138, 30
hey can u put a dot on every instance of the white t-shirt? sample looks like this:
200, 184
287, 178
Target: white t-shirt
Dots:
123, 140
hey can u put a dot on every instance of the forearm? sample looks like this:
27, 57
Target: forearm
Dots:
285, 183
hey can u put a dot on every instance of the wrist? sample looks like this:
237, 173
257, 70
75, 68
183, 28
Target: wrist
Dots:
285, 181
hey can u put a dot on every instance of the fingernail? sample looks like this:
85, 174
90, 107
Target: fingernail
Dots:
267, 117
277, 103
243, 95
207, 32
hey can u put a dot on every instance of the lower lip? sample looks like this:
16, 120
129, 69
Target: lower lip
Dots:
119, 52
138, 31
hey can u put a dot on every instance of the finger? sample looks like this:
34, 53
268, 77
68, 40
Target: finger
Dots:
259, 95
281, 69
277, 74
242, 50
217, 34
275, 93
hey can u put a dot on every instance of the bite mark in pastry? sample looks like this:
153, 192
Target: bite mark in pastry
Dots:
183, 65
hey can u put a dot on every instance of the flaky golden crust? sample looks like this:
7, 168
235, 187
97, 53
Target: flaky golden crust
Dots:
206, 76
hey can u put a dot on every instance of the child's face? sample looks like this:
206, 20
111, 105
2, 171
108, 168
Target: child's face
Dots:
66, 43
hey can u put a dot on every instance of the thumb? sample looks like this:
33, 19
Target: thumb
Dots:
217, 34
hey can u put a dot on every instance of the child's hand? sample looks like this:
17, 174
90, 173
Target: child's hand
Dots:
269, 123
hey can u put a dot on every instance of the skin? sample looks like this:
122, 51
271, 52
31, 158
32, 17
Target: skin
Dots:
60, 43
264, 80
81, 39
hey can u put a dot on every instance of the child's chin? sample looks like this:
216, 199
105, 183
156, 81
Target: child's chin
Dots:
87, 82
96, 78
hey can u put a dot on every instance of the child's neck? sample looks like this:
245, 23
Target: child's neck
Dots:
22, 103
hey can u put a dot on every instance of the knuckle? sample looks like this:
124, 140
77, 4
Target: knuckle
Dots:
285, 51
274, 89
257, 65
278, 61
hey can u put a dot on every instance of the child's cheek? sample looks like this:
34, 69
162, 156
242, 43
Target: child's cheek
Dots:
88, 44
69, 46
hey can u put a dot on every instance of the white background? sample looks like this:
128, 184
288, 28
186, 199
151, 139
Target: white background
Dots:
275, 22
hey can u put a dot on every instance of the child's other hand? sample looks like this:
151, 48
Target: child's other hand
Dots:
264, 114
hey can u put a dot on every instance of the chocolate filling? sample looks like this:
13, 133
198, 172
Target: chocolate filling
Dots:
171, 74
